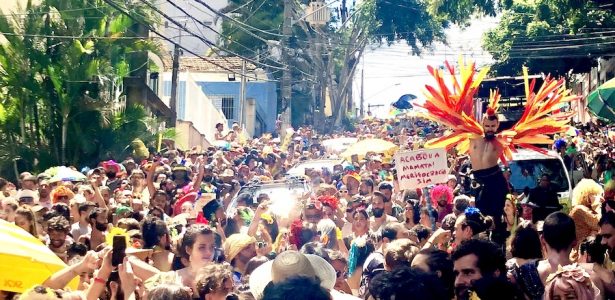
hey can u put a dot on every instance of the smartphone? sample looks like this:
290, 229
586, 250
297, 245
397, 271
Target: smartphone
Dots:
355, 158
119, 250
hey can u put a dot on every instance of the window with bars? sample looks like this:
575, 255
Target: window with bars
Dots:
228, 107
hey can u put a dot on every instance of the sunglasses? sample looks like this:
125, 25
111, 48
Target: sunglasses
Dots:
340, 274
343, 192
317, 216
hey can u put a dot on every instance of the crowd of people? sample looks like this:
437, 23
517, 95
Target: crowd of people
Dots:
193, 232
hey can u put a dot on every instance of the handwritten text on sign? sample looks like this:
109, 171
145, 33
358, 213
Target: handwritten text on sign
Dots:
417, 169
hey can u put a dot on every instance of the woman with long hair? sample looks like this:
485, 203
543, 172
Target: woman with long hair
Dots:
25, 218
586, 202
156, 237
197, 249
411, 214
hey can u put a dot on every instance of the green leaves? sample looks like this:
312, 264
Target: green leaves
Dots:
550, 36
59, 78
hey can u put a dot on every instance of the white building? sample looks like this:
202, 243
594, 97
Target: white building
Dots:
199, 12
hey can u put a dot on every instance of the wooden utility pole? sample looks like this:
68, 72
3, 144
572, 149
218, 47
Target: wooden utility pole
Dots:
286, 78
174, 82
242, 97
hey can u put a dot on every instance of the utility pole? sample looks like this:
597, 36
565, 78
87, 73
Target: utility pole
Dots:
362, 89
286, 88
174, 75
242, 94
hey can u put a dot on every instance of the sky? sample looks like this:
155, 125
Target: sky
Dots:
391, 72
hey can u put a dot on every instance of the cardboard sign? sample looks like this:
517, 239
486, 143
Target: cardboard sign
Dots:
420, 168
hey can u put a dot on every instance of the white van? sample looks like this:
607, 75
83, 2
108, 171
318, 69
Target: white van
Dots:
528, 166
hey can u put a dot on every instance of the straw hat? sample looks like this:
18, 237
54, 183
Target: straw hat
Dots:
290, 263
235, 243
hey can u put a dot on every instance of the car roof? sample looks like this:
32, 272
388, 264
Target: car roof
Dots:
525, 154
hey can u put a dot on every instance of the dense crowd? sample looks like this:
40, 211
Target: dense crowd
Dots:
194, 229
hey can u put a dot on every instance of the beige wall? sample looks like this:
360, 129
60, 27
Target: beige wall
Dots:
188, 136
13, 5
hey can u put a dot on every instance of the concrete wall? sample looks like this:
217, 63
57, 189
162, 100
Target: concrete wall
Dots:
188, 136
263, 93
586, 83
193, 106
215, 86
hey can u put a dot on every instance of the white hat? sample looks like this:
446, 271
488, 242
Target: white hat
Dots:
290, 263
27, 194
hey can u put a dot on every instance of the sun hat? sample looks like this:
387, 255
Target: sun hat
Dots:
290, 263
235, 243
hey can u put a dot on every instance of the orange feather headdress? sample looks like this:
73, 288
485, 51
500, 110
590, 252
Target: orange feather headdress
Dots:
455, 109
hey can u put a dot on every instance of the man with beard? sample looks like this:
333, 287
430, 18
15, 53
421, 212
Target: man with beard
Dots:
390, 208
57, 230
44, 194
484, 155
239, 248
99, 223
366, 188
379, 218
476, 260
607, 231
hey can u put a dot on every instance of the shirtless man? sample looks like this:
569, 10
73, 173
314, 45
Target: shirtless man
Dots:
484, 155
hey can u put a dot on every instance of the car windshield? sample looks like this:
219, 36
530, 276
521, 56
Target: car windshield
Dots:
526, 173
283, 196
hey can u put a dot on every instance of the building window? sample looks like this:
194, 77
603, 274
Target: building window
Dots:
228, 107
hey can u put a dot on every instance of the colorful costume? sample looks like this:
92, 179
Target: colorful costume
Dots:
542, 116
455, 108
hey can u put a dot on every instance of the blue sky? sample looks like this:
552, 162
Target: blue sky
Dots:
392, 71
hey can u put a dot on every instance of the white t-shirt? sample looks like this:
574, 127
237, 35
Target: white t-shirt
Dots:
76, 230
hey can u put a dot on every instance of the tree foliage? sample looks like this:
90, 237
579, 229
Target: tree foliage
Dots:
325, 58
550, 36
63, 62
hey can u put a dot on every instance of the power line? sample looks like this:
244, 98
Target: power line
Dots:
237, 21
206, 25
204, 40
72, 37
150, 28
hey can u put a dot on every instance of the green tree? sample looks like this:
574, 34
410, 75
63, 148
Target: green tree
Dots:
61, 68
326, 57
550, 36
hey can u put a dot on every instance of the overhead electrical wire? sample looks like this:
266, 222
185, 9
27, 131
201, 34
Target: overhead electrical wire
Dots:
153, 30
209, 27
203, 39
236, 21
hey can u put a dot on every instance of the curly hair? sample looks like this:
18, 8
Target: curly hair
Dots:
58, 223
212, 278
61, 191
439, 191
583, 192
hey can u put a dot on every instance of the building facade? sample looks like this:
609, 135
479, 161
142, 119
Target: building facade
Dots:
223, 89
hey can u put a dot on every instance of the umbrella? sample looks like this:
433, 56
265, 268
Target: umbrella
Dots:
63, 173
25, 261
601, 102
377, 146
404, 102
